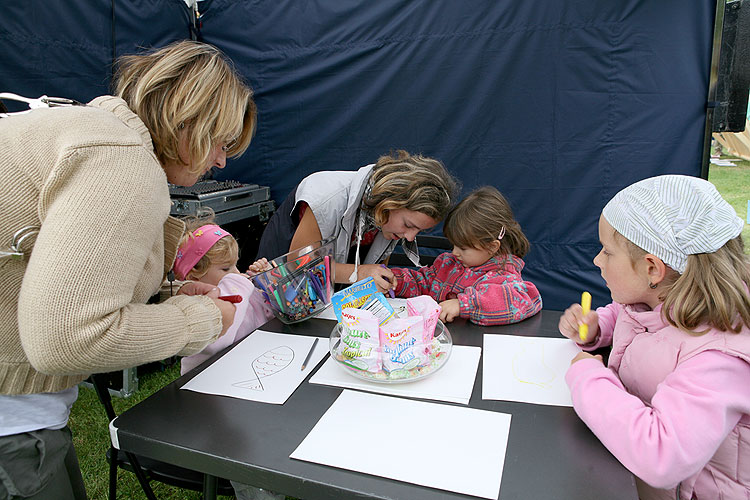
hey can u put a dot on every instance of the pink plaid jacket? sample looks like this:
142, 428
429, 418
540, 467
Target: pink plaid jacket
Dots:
491, 294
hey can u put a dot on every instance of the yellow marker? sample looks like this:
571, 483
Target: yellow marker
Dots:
583, 330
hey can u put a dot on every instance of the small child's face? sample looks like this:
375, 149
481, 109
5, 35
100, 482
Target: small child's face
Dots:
471, 257
217, 271
627, 283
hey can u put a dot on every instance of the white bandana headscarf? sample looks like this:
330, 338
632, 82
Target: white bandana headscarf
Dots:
673, 216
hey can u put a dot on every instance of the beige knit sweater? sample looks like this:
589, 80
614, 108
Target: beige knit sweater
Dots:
89, 178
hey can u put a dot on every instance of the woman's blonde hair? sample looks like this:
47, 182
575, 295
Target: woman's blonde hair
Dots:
225, 251
478, 220
188, 86
411, 182
712, 291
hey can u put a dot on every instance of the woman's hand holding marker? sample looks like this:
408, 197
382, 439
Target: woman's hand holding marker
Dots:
383, 276
227, 308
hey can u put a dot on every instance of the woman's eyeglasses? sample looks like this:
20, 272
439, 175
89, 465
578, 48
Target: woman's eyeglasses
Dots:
226, 147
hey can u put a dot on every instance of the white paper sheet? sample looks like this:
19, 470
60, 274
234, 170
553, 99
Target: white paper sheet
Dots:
453, 382
264, 367
417, 437
527, 369
399, 306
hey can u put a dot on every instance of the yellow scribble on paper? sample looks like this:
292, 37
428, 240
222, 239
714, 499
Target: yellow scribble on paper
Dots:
532, 369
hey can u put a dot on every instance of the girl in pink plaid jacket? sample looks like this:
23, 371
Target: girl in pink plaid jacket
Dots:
481, 278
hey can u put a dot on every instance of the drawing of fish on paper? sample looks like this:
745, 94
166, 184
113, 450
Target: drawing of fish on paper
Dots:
270, 362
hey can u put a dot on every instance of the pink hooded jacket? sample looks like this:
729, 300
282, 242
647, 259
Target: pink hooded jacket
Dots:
674, 408
251, 313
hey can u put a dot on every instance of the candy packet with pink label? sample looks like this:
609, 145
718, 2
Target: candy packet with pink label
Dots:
360, 338
425, 306
401, 344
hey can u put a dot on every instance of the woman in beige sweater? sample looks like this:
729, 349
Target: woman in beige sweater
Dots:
93, 181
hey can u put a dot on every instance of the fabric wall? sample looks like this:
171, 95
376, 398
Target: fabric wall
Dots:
557, 103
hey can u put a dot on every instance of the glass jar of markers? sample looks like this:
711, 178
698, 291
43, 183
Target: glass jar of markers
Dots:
299, 284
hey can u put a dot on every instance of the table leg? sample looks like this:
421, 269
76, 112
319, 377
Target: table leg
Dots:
209, 487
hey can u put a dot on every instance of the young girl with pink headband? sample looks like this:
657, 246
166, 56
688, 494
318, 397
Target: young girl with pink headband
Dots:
209, 254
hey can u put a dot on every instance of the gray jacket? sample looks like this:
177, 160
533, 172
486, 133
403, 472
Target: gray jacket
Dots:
335, 197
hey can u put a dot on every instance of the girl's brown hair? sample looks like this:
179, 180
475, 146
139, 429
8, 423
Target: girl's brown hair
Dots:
478, 220
188, 87
224, 251
411, 182
712, 291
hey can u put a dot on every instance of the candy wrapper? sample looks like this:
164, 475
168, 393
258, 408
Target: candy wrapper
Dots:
425, 306
379, 306
360, 340
401, 344
353, 296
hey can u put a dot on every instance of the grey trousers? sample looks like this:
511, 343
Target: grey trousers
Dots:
40, 465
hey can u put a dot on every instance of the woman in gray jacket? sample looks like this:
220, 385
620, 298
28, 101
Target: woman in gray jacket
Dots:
367, 211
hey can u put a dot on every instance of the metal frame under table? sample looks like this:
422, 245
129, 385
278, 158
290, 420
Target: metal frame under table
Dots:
550, 453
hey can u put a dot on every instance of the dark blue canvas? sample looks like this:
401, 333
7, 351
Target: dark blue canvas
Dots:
558, 103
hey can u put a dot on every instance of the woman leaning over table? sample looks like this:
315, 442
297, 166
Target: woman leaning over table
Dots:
93, 181
367, 211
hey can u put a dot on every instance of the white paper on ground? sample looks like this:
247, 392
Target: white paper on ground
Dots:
453, 382
527, 369
417, 435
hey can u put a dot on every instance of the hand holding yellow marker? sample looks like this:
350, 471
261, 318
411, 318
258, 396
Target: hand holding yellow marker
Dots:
583, 329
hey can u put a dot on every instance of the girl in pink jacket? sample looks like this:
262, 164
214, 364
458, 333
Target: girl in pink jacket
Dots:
209, 254
673, 404
481, 278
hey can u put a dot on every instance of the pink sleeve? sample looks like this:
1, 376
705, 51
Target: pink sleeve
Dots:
500, 300
415, 282
251, 313
691, 413
607, 319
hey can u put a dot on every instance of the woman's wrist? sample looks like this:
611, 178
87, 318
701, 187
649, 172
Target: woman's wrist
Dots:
343, 273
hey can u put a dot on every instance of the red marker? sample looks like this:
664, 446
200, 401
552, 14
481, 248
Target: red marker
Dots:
234, 299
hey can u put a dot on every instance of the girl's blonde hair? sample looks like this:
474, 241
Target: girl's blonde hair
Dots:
478, 220
224, 251
712, 291
411, 182
188, 86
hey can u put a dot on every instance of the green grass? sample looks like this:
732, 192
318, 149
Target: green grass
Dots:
734, 185
91, 438
90, 426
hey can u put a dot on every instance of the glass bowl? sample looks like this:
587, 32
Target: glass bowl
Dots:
300, 283
437, 352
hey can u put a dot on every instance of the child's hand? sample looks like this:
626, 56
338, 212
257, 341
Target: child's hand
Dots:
572, 318
584, 355
259, 266
450, 310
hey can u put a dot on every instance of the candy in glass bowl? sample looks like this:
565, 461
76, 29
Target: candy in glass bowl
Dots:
385, 364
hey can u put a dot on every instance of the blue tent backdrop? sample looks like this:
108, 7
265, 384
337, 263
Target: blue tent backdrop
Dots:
557, 103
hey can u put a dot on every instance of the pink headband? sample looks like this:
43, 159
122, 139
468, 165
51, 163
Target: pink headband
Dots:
196, 247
